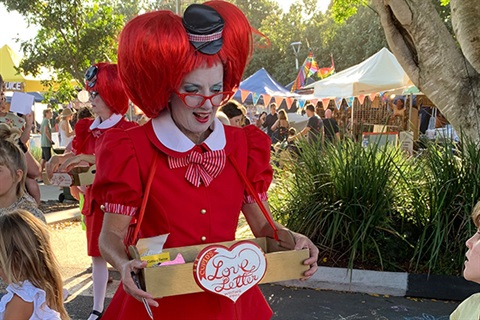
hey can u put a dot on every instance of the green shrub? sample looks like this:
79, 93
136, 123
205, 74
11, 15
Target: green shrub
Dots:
36, 153
342, 197
378, 207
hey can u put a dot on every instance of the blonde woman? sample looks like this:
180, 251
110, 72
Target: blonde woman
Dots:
29, 267
13, 173
65, 129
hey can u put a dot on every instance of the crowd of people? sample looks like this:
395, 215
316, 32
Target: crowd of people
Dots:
181, 72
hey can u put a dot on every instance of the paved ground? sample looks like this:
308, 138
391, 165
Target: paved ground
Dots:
69, 243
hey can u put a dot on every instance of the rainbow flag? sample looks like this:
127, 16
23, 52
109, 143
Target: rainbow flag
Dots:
325, 72
309, 68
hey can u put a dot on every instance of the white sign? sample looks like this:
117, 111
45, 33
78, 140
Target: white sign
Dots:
14, 86
22, 103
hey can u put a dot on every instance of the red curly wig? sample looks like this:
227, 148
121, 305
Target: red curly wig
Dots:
154, 55
110, 87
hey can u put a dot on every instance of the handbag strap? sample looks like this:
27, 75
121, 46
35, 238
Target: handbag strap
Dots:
146, 194
254, 194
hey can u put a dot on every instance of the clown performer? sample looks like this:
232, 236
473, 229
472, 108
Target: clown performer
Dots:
109, 104
178, 71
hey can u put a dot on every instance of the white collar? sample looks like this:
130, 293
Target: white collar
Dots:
110, 122
171, 137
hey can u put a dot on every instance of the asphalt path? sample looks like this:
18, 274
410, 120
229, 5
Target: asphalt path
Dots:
69, 243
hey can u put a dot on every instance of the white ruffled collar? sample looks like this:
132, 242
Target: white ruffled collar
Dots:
110, 122
171, 137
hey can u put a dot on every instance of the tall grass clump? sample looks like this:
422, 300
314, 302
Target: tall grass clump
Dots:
378, 207
443, 201
342, 197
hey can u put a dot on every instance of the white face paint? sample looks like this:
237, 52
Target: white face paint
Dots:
196, 122
100, 108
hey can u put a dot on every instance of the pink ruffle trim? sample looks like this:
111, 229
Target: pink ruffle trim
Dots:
249, 199
120, 209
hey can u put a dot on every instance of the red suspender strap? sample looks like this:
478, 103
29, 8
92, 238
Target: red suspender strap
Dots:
254, 194
144, 200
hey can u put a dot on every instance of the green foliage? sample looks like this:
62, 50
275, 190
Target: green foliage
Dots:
72, 35
344, 9
380, 208
443, 201
36, 153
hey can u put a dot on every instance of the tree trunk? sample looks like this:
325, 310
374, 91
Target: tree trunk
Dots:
432, 58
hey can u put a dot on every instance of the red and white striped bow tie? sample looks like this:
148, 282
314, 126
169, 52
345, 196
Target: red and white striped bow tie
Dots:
204, 166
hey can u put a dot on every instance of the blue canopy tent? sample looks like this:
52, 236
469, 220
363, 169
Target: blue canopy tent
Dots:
261, 83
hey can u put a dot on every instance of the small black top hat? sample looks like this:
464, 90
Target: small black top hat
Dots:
204, 27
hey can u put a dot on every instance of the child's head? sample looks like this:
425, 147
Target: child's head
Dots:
292, 131
11, 157
26, 254
472, 265
476, 215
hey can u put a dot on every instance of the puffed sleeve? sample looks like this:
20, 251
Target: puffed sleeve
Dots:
117, 182
81, 135
259, 170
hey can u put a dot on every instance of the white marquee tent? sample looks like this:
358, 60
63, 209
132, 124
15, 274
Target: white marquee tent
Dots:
380, 72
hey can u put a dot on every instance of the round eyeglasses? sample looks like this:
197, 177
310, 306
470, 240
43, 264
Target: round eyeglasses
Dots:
91, 76
93, 94
195, 100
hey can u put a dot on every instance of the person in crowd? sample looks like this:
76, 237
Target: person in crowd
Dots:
65, 130
314, 127
178, 71
330, 127
30, 269
398, 117
46, 140
109, 103
13, 173
25, 125
235, 112
260, 119
84, 121
469, 309
281, 126
270, 119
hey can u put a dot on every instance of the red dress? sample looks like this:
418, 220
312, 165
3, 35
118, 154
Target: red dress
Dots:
192, 215
86, 141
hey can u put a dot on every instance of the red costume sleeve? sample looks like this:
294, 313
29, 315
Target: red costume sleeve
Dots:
117, 180
259, 170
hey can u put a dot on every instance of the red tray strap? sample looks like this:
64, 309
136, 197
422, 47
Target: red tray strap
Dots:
254, 194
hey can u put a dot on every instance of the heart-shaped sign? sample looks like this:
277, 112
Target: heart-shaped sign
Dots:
61, 179
230, 272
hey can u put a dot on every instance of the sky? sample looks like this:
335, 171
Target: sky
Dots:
13, 25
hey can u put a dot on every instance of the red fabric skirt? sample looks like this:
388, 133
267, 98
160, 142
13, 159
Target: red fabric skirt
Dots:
198, 306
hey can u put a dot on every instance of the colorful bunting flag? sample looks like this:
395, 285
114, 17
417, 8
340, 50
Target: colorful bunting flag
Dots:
266, 99
372, 96
309, 68
289, 102
244, 94
255, 98
338, 102
361, 98
349, 101
301, 103
278, 101
325, 72
325, 103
